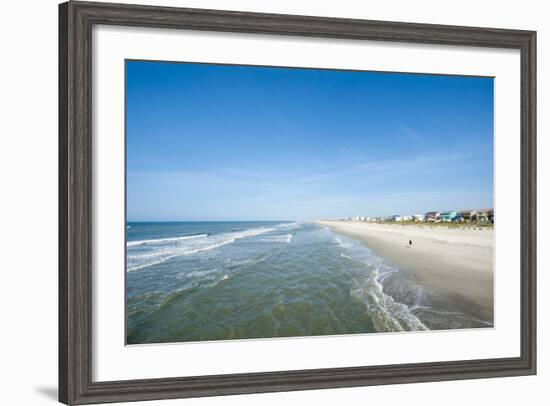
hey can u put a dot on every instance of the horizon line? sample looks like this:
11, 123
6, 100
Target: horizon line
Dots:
204, 221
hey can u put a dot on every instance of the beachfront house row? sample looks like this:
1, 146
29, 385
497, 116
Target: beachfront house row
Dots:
431, 216
485, 216
419, 217
466, 215
448, 216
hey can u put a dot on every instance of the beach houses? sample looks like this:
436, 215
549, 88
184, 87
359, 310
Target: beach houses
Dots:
466, 215
431, 216
448, 216
479, 216
491, 215
485, 216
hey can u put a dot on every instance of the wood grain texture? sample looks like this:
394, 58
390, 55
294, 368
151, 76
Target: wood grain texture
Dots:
76, 20
63, 366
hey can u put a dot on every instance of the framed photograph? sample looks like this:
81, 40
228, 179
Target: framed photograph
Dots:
258, 202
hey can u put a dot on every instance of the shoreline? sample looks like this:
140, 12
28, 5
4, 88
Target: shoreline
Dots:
454, 266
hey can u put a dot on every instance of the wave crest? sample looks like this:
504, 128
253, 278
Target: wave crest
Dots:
145, 253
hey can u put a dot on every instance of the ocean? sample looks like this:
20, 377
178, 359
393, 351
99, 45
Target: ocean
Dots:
202, 281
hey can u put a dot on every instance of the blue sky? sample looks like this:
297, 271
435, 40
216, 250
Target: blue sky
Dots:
222, 142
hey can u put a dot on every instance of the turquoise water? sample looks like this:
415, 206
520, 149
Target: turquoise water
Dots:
195, 281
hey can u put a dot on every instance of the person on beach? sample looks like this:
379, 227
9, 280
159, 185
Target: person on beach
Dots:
410, 243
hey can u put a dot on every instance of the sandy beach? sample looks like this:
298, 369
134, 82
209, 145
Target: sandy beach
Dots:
454, 266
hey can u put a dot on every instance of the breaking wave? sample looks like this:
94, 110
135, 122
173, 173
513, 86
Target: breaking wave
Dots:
145, 253
386, 312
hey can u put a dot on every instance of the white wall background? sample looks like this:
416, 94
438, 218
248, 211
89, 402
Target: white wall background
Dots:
28, 202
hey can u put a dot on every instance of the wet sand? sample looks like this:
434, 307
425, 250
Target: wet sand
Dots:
454, 266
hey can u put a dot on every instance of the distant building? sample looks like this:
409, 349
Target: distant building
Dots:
485, 216
431, 216
466, 215
419, 217
448, 216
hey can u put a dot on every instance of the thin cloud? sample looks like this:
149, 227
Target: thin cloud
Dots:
385, 167
411, 133
268, 179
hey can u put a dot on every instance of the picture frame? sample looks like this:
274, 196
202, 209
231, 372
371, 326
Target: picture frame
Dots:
76, 384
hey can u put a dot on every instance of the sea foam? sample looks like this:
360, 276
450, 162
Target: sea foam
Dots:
277, 238
164, 240
145, 253
387, 313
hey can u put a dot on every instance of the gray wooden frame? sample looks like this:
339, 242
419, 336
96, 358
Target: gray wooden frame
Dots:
76, 20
